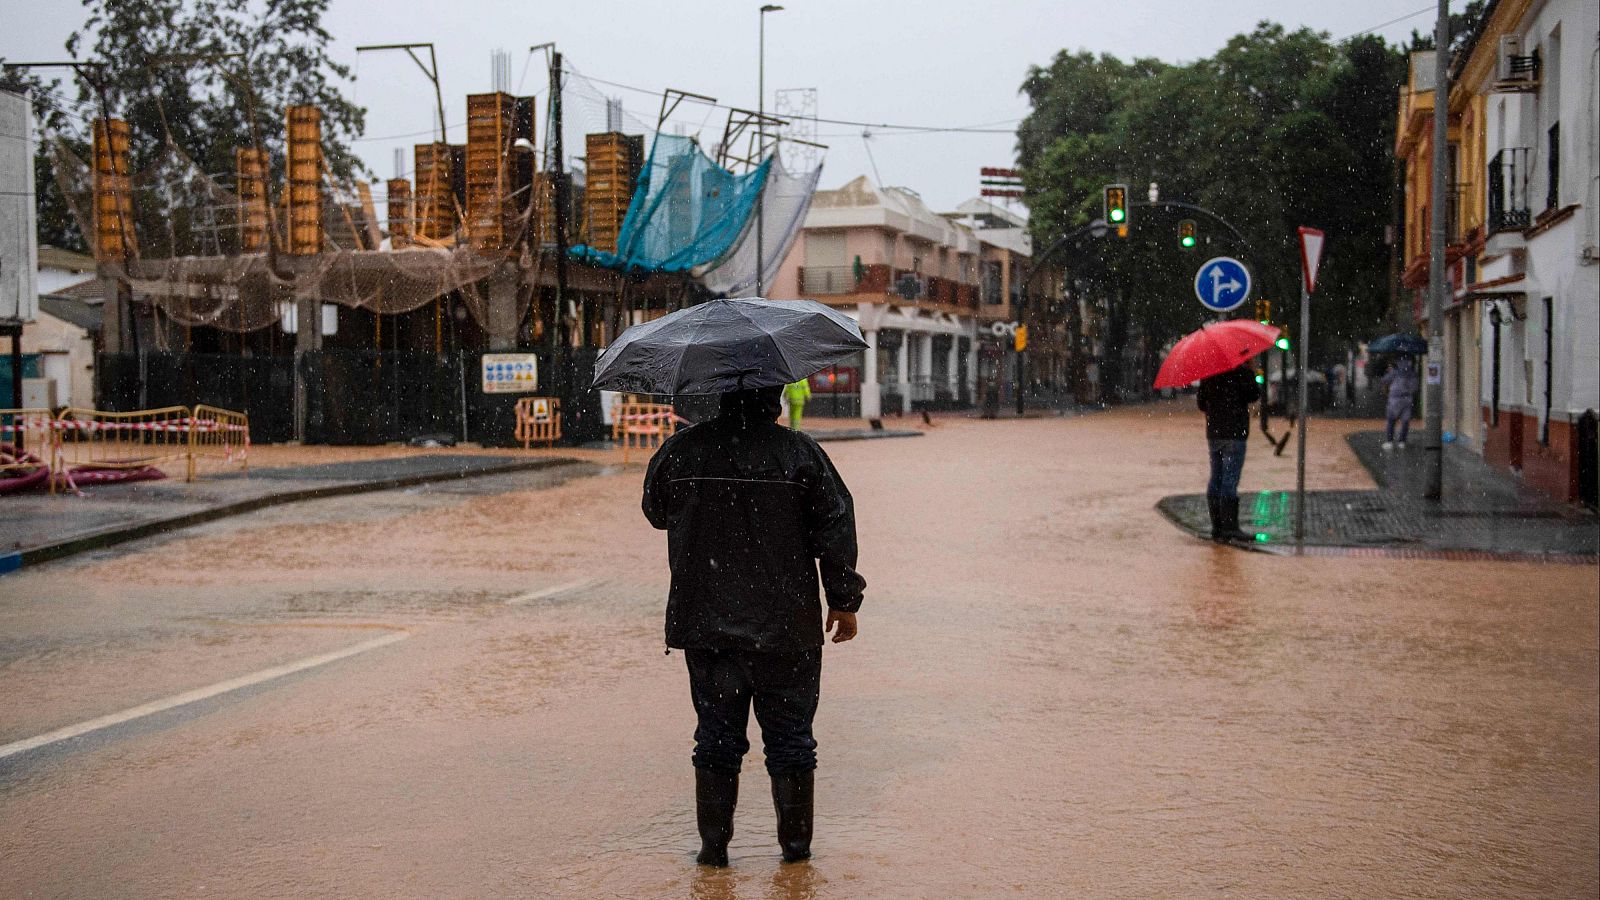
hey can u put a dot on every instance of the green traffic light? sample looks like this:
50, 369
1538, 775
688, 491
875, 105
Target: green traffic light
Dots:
1118, 215
1261, 379
1282, 343
1188, 240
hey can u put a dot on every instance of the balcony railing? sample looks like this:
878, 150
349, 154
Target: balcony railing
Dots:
881, 279
828, 280
1508, 190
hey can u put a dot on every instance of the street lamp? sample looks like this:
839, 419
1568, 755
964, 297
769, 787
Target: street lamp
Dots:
761, 143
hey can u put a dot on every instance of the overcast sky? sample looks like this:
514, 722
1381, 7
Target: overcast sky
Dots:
929, 63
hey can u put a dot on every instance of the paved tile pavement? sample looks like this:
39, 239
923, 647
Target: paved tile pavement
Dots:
1484, 513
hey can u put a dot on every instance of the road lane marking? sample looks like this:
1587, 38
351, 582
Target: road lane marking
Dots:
542, 593
195, 696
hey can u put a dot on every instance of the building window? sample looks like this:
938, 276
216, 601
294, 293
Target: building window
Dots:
1552, 197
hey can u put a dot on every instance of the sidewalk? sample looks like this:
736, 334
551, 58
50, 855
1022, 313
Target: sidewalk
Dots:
1484, 513
38, 527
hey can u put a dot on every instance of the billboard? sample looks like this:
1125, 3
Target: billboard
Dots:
19, 251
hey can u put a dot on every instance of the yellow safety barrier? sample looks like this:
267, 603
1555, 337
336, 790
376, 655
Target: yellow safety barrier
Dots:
26, 431
219, 434
538, 421
642, 425
96, 439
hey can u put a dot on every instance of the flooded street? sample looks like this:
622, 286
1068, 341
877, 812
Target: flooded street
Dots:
1055, 693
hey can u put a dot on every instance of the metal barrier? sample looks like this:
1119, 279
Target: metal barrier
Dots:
92, 439
27, 430
642, 425
218, 434
539, 420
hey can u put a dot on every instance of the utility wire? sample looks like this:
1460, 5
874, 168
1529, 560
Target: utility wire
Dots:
928, 129
1395, 21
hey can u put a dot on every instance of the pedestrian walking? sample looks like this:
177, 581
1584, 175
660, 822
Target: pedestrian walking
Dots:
752, 510
1225, 399
797, 393
1402, 383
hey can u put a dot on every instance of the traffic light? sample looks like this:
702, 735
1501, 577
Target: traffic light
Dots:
1021, 338
1116, 200
1264, 312
1187, 237
1282, 343
1261, 377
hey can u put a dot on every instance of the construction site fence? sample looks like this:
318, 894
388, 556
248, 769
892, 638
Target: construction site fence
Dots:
356, 397
75, 440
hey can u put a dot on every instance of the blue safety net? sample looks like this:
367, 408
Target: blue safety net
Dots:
687, 211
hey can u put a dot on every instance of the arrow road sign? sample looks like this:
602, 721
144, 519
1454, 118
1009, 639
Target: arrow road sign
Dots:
1222, 283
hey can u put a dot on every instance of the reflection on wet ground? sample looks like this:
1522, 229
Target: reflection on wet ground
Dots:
1055, 693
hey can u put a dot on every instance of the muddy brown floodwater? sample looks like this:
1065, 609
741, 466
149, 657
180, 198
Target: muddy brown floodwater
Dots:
1055, 693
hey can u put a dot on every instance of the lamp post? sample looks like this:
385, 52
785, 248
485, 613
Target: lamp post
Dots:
1433, 387
761, 143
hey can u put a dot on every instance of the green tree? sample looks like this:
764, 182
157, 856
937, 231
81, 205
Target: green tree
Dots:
1278, 129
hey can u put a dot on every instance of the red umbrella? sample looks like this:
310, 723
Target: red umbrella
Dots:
1214, 349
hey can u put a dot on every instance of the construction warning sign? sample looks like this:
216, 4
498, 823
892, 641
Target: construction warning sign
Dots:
510, 373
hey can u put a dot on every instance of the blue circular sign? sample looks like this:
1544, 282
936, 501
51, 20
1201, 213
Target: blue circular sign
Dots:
1222, 283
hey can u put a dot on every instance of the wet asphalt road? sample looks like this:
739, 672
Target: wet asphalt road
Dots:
461, 690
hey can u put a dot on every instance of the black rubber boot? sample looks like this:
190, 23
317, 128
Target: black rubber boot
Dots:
1213, 508
1228, 512
791, 797
715, 796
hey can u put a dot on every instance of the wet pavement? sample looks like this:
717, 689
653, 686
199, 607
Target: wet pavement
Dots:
1482, 511
42, 526
1055, 693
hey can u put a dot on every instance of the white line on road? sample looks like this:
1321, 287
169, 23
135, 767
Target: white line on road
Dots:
542, 593
195, 696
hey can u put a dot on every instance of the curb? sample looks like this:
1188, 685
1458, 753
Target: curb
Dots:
119, 535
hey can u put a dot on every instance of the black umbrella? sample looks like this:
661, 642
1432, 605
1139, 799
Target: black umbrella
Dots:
1399, 343
728, 345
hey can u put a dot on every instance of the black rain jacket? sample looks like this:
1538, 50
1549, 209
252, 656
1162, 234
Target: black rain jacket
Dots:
750, 509
1226, 399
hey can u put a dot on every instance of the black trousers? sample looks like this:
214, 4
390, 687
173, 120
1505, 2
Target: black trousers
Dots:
783, 688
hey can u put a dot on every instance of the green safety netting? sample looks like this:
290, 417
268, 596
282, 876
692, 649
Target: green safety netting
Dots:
687, 211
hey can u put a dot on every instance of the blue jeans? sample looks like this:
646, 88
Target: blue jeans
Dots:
1227, 464
1398, 411
783, 688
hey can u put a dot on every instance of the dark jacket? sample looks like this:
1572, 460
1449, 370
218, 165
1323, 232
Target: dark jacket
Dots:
1226, 399
750, 509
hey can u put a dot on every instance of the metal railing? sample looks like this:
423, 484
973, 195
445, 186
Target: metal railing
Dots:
1508, 190
828, 280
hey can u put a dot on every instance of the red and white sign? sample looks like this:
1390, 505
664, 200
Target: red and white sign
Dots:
1310, 256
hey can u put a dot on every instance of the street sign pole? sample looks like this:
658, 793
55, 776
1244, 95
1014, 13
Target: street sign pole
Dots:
1310, 259
1300, 451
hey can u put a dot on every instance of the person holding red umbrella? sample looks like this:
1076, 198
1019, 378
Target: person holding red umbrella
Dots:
1218, 355
1226, 399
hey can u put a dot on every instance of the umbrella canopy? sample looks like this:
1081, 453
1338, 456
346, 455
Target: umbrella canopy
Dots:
1399, 343
1214, 349
728, 345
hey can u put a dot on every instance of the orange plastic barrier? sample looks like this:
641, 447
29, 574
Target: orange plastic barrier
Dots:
538, 421
645, 426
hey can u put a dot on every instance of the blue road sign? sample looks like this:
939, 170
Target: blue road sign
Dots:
1222, 283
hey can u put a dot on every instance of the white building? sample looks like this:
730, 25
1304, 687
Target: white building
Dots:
909, 277
1537, 277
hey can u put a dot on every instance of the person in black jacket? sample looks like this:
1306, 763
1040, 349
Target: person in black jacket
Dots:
752, 510
1226, 399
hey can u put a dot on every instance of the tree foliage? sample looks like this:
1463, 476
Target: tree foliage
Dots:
195, 80
1277, 129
